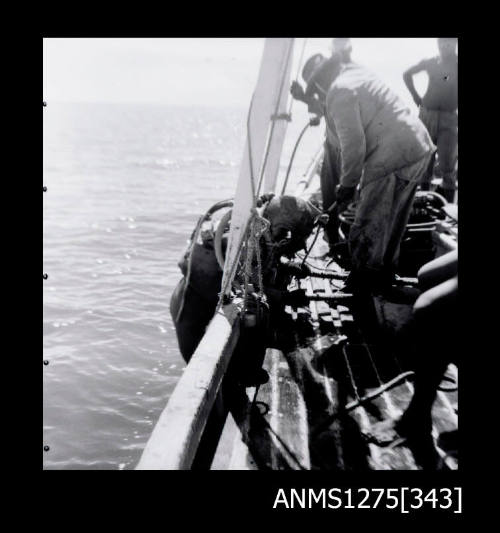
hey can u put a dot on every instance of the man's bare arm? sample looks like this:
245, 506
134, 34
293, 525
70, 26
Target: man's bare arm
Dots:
408, 79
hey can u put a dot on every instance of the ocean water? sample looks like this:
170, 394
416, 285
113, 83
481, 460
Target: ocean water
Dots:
126, 184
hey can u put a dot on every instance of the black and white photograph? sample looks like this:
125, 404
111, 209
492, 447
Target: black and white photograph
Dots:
250, 255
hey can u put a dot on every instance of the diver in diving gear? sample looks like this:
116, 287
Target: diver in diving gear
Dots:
291, 222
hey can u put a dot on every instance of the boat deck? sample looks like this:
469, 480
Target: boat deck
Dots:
305, 417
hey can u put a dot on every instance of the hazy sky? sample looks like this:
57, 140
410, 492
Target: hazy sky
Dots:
204, 71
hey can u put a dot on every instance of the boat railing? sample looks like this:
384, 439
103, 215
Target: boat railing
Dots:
173, 445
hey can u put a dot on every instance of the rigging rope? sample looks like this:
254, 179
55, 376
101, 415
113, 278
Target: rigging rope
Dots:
248, 264
254, 202
251, 232
257, 235
298, 72
274, 118
256, 189
250, 156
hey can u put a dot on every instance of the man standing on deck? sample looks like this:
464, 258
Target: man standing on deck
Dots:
318, 75
438, 111
385, 150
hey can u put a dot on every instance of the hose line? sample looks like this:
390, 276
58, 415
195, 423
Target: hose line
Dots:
364, 399
304, 129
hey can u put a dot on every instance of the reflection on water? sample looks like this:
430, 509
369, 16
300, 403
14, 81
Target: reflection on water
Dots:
126, 184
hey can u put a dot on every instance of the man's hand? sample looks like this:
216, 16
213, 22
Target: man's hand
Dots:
296, 91
345, 196
297, 269
408, 79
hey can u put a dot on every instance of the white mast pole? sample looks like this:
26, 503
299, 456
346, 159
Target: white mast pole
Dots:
270, 93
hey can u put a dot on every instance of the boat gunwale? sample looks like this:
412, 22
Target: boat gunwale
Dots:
174, 441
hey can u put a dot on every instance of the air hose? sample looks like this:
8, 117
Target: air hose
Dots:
379, 391
312, 122
194, 237
219, 232
360, 401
